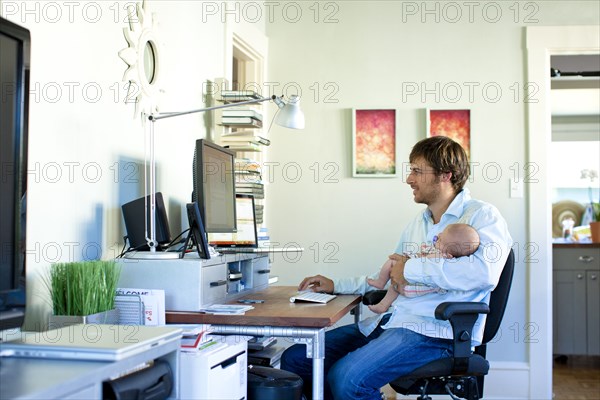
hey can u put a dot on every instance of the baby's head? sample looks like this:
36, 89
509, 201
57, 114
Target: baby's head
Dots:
458, 240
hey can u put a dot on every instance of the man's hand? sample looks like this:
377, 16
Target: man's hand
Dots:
397, 273
317, 283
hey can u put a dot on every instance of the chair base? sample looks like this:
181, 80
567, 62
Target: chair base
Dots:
462, 387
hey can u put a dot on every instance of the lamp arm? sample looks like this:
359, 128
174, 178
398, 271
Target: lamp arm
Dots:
156, 117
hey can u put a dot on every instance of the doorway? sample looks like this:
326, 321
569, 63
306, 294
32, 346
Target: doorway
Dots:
542, 42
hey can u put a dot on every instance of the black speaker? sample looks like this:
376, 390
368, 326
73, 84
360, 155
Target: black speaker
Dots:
137, 216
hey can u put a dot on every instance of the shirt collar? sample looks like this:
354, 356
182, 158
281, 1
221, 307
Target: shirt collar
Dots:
458, 204
455, 208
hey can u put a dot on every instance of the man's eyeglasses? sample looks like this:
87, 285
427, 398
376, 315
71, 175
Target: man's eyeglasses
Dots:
419, 171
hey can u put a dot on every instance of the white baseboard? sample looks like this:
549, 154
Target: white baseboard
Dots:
507, 380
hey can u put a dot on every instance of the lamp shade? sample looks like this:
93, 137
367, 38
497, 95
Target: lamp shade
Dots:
290, 115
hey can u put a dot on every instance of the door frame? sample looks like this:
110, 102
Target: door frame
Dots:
543, 42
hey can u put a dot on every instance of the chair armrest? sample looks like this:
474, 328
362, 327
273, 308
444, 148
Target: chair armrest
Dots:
373, 297
462, 316
447, 310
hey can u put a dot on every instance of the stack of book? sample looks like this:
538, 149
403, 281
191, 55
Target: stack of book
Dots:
263, 237
242, 117
259, 213
248, 180
255, 189
244, 141
233, 96
247, 171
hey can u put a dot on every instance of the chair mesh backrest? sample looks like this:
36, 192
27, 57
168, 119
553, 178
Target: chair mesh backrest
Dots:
498, 299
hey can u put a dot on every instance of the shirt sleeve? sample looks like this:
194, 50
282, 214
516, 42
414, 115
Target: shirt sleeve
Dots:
354, 285
479, 271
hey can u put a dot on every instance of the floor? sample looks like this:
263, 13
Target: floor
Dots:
574, 378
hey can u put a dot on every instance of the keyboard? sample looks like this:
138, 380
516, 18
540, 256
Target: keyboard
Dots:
313, 297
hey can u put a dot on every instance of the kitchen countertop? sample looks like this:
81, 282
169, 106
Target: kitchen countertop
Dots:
573, 245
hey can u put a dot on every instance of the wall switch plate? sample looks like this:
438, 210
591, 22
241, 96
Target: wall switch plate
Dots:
516, 189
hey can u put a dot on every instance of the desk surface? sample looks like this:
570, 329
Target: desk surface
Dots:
38, 378
275, 311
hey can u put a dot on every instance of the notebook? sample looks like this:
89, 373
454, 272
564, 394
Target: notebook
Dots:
90, 342
245, 236
245, 240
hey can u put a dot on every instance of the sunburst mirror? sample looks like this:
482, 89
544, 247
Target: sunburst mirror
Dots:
142, 57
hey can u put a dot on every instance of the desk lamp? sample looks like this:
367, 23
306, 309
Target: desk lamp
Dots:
289, 115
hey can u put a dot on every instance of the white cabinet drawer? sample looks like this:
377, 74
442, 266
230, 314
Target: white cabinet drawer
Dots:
214, 284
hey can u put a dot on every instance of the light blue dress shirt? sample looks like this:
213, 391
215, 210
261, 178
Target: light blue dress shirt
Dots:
469, 278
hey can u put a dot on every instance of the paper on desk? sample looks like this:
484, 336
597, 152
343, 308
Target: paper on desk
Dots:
226, 309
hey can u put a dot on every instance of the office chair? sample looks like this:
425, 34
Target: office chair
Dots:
460, 375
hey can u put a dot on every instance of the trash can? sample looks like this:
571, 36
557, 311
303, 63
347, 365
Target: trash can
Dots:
266, 383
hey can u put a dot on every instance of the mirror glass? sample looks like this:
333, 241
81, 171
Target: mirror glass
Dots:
149, 61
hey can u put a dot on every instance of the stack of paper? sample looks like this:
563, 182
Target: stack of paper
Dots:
196, 338
154, 304
226, 309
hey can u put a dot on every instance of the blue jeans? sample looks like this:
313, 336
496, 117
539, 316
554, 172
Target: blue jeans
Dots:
356, 367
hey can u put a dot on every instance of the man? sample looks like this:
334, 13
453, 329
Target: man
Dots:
360, 359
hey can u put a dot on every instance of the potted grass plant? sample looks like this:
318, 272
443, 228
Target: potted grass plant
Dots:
592, 212
595, 224
83, 292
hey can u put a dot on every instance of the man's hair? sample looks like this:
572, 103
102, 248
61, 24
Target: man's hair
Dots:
444, 155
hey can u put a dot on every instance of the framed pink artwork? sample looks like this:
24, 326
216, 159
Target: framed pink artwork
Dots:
455, 124
373, 143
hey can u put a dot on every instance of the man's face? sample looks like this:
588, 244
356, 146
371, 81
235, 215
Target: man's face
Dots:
424, 182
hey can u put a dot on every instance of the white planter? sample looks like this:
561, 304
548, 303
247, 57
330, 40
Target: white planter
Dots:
105, 317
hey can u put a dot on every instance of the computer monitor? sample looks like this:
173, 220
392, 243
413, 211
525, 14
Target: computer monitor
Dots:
14, 111
214, 186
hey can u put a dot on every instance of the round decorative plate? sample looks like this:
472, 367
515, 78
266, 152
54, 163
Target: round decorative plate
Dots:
565, 209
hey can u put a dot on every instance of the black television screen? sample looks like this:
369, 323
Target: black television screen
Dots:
14, 85
214, 186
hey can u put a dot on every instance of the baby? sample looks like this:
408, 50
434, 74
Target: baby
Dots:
456, 240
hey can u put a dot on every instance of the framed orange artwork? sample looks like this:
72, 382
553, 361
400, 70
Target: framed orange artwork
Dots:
373, 143
455, 124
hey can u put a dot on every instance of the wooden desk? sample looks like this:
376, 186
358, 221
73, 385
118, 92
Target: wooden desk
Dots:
305, 322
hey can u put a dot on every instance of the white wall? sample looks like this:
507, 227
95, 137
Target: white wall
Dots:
86, 150
371, 55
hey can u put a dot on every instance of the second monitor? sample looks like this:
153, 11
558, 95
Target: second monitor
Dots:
214, 186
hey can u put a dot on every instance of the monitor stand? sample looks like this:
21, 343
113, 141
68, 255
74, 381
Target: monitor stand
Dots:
192, 239
152, 255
